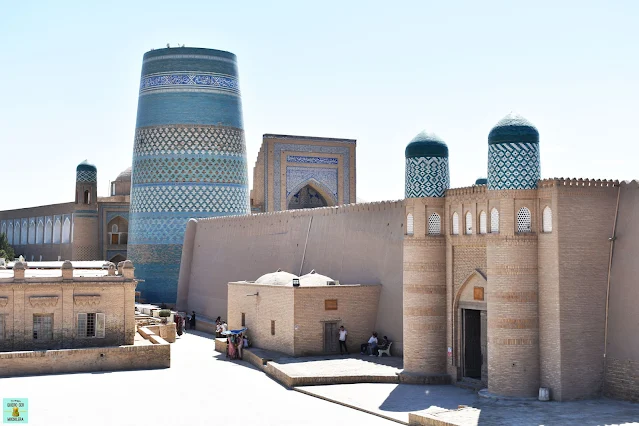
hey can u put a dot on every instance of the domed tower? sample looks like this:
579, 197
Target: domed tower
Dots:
424, 274
122, 184
513, 154
481, 181
85, 216
511, 256
427, 172
189, 158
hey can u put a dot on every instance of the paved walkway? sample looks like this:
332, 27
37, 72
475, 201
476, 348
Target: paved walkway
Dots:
396, 401
198, 389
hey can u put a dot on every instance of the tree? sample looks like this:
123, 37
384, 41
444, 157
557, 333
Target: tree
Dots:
6, 251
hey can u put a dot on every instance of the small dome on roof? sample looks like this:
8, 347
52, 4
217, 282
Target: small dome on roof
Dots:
86, 167
314, 279
124, 176
426, 145
278, 277
481, 181
513, 128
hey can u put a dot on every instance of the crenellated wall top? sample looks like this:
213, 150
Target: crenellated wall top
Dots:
578, 182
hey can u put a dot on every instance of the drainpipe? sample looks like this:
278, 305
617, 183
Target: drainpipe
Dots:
612, 247
305, 244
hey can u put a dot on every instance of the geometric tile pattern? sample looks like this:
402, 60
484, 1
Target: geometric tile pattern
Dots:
186, 80
86, 176
187, 140
296, 176
513, 166
190, 168
189, 197
311, 160
427, 177
276, 172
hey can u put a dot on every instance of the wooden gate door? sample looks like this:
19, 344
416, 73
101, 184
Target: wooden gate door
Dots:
472, 344
330, 337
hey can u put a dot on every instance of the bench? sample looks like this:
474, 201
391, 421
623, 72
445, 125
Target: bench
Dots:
385, 351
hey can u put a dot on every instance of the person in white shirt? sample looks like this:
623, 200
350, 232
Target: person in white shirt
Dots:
370, 346
342, 340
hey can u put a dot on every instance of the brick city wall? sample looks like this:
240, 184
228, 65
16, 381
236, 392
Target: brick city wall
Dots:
360, 243
622, 366
584, 217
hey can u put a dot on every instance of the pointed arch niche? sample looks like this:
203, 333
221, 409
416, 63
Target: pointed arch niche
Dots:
310, 194
471, 296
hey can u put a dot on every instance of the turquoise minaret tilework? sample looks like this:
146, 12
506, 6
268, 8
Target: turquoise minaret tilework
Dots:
427, 173
513, 154
189, 158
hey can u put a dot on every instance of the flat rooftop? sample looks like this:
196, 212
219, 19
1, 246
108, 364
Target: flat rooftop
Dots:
55, 273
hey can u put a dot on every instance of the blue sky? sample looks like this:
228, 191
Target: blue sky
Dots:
378, 72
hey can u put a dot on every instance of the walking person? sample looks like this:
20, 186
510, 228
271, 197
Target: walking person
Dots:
342, 340
192, 320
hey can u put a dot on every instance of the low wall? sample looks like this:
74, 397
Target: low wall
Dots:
63, 361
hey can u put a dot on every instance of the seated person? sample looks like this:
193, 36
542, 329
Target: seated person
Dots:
370, 346
383, 343
246, 341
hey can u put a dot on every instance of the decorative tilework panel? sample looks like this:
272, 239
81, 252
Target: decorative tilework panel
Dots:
86, 176
111, 215
186, 80
296, 177
513, 166
276, 172
427, 177
187, 140
190, 168
311, 160
193, 198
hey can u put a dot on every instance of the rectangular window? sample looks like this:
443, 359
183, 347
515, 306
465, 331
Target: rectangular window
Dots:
91, 325
330, 304
272, 328
1, 327
243, 319
43, 326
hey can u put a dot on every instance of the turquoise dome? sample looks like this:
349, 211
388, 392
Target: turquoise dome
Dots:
513, 128
481, 181
86, 167
426, 145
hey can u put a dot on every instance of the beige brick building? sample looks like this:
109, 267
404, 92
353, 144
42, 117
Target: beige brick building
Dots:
66, 308
303, 320
87, 228
513, 284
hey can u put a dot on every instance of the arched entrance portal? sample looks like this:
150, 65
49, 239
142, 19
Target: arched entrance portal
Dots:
117, 259
308, 197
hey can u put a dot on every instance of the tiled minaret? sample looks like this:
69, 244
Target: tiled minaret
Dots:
189, 158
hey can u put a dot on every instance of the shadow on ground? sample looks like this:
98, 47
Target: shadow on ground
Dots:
407, 398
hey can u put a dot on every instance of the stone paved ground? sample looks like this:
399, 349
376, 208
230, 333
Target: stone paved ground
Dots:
354, 365
201, 388
396, 401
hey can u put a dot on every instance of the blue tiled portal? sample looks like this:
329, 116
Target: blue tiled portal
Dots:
189, 158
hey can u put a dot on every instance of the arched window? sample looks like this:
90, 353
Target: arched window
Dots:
40, 232
48, 228
455, 224
524, 220
32, 231
4, 229
482, 222
56, 231
16, 234
114, 229
409, 224
87, 197
66, 231
469, 223
434, 224
494, 221
547, 219
23, 233
10, 232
